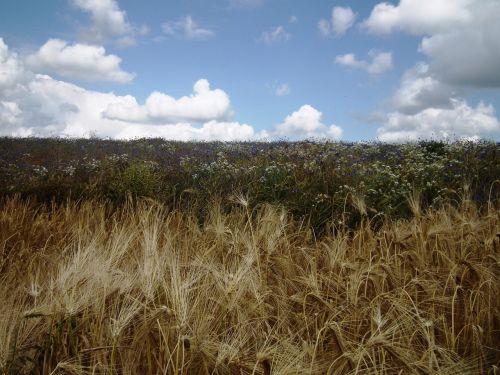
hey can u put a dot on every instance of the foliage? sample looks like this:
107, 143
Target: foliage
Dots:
317, 181
138, 178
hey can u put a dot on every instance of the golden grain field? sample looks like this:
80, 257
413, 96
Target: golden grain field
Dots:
87, 289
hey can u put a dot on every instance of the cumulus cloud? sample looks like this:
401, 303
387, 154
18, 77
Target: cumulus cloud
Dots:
306, 123
380, 62
9, 114
419, 89
187, 28
468, 55
460, 37
459, 121
49, 107
80, 61
210, 131
276, 35
424, 107
282, 90
108, 20
106, 15
38, 105
342, 19
418, 17
203, 105
11, 68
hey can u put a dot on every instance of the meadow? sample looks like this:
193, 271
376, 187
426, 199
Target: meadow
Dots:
155, 257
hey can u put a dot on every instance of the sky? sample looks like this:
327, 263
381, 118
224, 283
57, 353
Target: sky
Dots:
358, 70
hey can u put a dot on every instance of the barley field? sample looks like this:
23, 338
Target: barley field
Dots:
146, 290
240, 282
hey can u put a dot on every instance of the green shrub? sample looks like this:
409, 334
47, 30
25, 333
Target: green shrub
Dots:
138, 179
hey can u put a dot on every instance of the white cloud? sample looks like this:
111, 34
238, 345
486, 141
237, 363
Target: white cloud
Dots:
38, 105
187, 28
420, 90
468, 55
342, 19
106, 15
380, 62
459, 121
11, 68
282, 90
293, 19
276, 35
324, 27
460, 37
108, 20
423, 107
419, 17
48, 107
306, 123
80, 61
210, 131
203, 105
9, 114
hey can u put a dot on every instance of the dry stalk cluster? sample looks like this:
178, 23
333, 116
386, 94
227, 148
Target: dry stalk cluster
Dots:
85, 289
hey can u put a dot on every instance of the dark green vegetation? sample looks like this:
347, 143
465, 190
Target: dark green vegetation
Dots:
317, 181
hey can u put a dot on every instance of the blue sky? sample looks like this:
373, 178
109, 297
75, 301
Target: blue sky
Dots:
250, 69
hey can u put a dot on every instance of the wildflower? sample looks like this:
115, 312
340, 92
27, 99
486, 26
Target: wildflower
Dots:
40, 170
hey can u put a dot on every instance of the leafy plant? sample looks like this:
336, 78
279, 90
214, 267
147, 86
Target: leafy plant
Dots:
138, 179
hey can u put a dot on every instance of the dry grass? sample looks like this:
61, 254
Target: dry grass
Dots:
88, 290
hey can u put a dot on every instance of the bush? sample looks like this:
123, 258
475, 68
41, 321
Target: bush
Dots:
138, 179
